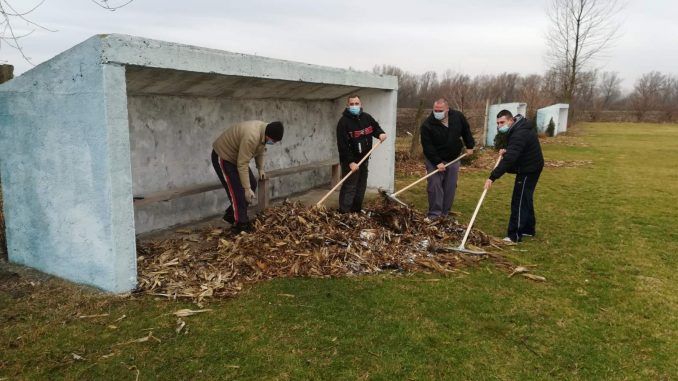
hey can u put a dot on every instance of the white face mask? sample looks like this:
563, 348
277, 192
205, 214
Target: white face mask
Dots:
439, 115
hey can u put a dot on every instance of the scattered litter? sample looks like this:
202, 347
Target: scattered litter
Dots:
567, 163
290, 240
524, 271
519, 270
180, 325
77, 357
92, 316
534, 277
140, 340
120, 318
187, 312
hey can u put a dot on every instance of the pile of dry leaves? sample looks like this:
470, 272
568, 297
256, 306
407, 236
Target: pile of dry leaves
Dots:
292, 240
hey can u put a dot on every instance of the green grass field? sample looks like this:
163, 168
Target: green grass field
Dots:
607, 243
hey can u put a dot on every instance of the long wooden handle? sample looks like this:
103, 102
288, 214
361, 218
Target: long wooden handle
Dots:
377, 144
475, 213
427, 176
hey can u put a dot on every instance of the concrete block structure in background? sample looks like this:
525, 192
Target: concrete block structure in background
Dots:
559, 114
118, 116
491, 127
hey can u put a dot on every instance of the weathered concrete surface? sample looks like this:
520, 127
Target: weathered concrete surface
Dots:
491, 127
74, 146
172, 141
559, 114
65, 168
143, 52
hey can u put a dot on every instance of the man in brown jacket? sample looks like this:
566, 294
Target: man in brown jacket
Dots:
231, 155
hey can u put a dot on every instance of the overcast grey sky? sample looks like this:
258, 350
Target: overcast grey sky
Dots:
473, 37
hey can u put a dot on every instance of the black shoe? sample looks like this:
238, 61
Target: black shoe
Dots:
242, 227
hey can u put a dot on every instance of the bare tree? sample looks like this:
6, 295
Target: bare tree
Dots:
581, 31
646, 93
530, 92
16, 22
609, 89
458, 89
669, 97
586, 92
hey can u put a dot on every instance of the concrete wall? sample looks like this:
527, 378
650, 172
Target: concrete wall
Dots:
382, 105
171, 140
491, 128
64, 163
559, 114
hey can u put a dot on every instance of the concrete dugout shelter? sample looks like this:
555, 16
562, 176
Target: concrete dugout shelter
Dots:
118, 118
557, 112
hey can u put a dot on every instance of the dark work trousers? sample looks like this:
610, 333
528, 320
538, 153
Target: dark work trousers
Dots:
230, 179
352, 191
441, 189
523, 220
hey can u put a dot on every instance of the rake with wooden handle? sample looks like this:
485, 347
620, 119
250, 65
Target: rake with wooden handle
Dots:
393, 196
462, 248
377, 144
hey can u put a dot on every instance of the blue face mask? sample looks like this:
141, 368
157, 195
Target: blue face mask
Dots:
503, 129
270, 142
355, 110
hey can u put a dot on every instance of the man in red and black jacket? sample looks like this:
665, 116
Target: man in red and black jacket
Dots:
355, 131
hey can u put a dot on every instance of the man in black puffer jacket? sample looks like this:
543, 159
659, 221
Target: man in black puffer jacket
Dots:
523, 157
442, 134
355, 131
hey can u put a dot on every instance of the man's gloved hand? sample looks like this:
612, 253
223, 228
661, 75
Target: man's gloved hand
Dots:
249, 195
441, 167
262, 174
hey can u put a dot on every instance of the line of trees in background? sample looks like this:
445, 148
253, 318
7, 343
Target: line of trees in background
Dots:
594, 92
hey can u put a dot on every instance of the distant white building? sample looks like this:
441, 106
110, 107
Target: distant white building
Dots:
557, 112
493, 110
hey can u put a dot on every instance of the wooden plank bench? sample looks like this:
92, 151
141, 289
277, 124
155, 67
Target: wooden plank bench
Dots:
263, 199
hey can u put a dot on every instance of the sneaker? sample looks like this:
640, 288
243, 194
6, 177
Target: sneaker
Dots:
242, 227
508, 240
527, 235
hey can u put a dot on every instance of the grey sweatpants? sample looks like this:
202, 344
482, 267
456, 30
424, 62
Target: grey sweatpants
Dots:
441, 189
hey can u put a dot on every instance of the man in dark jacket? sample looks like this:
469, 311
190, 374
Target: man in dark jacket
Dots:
442, 134
523, 157
355, 131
